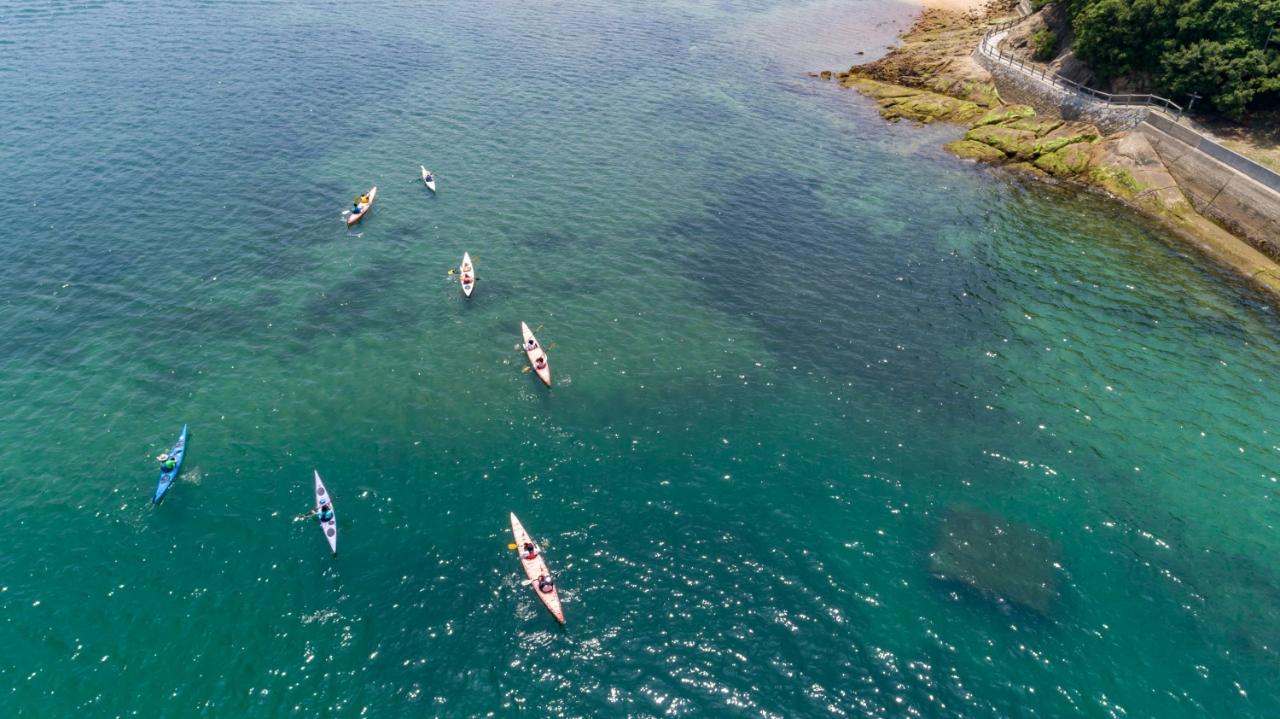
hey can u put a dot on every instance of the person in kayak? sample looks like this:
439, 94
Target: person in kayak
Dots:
530, 552
545, 585
531, 345
540, 363
325, 513
167, 463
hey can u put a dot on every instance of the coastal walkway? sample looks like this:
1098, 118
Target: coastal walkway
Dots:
1121, 111
1238, 193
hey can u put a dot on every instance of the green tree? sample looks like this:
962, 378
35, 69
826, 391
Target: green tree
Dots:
1213, 48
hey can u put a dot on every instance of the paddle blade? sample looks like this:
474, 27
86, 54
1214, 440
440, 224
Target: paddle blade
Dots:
510, 546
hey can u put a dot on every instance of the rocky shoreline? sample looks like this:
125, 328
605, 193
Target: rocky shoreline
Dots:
932, 77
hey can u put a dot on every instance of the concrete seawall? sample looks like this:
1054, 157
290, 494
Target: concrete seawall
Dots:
1246, 207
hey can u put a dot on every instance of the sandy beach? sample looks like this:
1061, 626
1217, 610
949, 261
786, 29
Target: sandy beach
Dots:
955, 5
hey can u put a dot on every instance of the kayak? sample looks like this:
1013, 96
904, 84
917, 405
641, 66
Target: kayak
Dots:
355, 217
330, 527
166, 477
467, 275
534, 568
428, 179
545, 373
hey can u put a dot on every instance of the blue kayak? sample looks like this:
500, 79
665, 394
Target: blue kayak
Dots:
166, 478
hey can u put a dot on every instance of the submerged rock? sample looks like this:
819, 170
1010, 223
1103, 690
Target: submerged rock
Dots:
999, 559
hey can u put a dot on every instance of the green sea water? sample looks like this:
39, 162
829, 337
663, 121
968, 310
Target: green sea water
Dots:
788, 341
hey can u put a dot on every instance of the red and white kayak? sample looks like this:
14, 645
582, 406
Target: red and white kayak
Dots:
330, 527
534, 351
535, 568
363, 207
467, 274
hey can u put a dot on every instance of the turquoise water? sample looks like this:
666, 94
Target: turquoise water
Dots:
788, 340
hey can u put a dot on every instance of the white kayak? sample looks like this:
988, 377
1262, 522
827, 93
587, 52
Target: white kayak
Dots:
363, 207
467, 274
536, 355
330, 527
536, 568
428, 179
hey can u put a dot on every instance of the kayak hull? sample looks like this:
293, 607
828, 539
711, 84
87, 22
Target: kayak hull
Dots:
544, 374
166, 478
355, 217
427, 178
467, 275
534, 568
330, 528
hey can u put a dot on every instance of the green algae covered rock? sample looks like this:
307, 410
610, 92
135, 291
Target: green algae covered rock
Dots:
1067, 161
970, 150
1005, 114
1118, 181
983, 94
879, 90
1018, 144
930, 107
1041, 126
1026, 168
1067, 134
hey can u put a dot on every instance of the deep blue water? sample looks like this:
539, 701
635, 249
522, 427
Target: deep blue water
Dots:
791, 345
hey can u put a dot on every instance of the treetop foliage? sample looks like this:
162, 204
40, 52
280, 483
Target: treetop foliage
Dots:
1212, 48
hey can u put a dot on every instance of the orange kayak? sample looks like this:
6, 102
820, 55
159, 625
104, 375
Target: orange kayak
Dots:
535, 568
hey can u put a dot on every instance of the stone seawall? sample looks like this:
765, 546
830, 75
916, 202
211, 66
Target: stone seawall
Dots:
1016, 86
1247, 208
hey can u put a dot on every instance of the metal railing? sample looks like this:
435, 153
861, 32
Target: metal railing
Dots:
993, 51
1170, 125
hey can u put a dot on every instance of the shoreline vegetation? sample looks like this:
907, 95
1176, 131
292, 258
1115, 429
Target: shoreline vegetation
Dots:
932, 77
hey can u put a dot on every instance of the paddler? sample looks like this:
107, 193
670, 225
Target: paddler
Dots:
531, 345
325, 513
540, 363
167, 463
545, 585
530, 552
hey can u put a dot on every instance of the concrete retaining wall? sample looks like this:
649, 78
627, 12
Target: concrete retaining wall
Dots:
1262, 174
1016, 86
1247, 207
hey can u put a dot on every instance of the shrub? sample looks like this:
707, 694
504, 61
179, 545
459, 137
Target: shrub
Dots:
1043, 44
